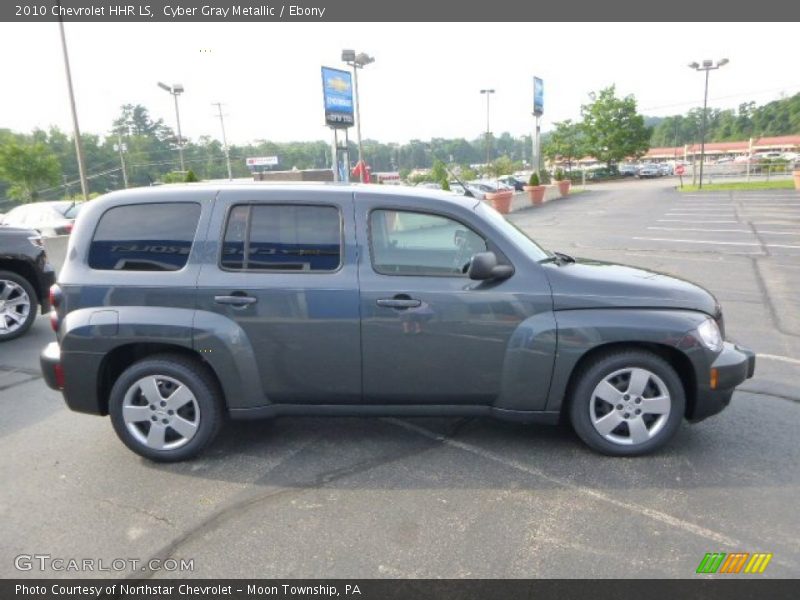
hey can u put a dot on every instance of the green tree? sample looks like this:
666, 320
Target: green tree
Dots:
27, 166
566, 142
614, 129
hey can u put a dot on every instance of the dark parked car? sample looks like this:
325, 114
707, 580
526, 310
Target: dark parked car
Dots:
180, 304
25, 280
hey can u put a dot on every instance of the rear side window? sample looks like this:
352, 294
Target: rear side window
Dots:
145, 237
282, 237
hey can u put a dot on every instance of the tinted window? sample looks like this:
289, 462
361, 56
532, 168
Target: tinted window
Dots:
283, 237
408, 243
145, 237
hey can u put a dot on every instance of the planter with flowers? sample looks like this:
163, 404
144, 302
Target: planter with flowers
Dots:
535, 190
562, 182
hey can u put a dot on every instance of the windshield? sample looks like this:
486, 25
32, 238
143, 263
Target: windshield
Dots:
518, 237
72, 211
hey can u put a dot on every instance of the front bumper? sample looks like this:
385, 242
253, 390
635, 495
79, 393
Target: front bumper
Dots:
733, 365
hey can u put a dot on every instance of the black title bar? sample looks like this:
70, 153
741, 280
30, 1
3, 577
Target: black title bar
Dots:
182, 11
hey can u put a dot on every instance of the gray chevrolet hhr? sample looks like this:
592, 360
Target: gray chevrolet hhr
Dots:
180, 305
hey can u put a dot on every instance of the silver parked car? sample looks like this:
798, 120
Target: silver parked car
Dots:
48, 218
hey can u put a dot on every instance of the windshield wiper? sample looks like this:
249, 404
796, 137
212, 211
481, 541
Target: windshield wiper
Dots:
559, 258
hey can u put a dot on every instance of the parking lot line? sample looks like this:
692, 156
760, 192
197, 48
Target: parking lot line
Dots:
721, 243
786, 359
693, 221
779, 232
702, 229
644, 511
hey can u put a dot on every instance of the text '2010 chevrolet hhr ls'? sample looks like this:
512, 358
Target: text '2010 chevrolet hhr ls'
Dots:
178, 306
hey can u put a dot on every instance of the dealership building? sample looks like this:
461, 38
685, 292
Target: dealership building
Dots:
717, 150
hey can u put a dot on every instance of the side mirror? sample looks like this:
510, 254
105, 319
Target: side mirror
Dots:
483, 266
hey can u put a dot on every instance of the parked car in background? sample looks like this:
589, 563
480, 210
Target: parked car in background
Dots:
48, 218
601, 173
181, 305
648, 170
628, 170
25, 280
459, 190
513, 182
665, 169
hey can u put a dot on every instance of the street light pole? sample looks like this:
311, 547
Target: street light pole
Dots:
358, 61
76, 130
488, 130
176, 90
707, 66
224, 139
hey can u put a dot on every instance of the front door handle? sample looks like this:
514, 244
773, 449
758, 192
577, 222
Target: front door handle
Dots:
235, 300
399, 303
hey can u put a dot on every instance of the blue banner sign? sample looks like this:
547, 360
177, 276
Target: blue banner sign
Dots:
337, 91
538, 96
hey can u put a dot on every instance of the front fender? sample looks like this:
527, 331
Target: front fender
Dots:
580, 331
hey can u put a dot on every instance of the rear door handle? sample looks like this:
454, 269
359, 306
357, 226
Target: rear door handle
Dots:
400, 303
235, 300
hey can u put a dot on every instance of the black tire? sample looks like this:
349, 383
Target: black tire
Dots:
593, 373
188, 372
34, 305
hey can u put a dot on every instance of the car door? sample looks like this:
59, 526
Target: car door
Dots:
285, 272
429, 334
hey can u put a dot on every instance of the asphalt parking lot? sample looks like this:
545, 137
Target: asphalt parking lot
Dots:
453, 497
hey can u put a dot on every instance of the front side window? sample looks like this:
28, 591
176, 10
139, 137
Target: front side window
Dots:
145, 237
411, 243
282, 237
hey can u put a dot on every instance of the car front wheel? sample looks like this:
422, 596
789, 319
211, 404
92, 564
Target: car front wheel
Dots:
627, 403
166, 408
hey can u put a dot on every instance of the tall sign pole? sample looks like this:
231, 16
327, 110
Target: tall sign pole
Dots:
538, 111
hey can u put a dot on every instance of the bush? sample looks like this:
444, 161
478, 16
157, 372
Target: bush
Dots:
534, 180
559, 174
445, 184
544, 177
191, 177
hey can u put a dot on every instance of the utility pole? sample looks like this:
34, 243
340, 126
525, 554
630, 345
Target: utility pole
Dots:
75, 128
121, 148
224, 139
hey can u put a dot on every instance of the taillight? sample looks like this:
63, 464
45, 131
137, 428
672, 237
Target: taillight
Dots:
56, 296
68, 227
59, 373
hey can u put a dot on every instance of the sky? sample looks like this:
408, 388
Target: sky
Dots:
425, 81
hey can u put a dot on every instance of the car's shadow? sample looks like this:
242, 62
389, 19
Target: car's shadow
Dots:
419, 453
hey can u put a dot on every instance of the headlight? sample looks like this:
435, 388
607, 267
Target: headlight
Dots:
709, 334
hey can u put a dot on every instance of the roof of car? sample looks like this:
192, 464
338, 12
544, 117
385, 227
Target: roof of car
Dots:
186, 190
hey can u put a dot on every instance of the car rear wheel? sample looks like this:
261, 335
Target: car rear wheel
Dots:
627, 403
166, 408
18, 305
